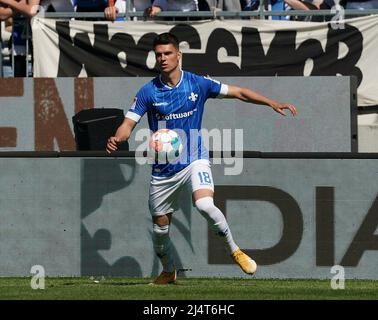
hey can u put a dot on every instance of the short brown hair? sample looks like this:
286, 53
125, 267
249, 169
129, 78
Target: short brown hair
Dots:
166, 38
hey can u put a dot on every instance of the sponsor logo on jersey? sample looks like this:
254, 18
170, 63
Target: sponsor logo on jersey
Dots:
174, 116
159, 104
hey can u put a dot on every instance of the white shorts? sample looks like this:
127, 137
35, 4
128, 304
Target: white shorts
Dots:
165, 191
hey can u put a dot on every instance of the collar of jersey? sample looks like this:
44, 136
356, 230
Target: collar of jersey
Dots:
176, 86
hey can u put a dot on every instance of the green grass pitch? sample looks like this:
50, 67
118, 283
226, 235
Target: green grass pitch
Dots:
114, 288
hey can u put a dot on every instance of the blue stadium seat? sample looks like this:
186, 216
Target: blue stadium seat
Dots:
279, 5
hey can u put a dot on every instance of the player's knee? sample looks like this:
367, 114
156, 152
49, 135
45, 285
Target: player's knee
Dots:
160, 230
210, 212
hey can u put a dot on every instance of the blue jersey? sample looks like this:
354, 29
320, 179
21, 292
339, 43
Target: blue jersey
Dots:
179, 108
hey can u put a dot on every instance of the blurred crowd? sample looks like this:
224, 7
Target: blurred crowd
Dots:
151, 8
13, 13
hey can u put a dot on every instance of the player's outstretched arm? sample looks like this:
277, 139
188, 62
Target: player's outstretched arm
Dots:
123, 133
247, 95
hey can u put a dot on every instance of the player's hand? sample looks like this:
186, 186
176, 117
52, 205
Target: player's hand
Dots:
112, 144
280, 107
111, 13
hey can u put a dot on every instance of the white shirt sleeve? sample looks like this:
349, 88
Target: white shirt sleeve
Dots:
223, 91
133, 116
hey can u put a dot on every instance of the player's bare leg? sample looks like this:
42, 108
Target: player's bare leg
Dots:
203, 199
163, 249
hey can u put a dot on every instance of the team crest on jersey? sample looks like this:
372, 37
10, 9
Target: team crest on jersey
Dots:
193, 97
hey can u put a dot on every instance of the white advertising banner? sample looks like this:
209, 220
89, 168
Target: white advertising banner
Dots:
216, 48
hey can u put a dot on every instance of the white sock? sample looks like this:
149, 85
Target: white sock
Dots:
217, 222
163, 246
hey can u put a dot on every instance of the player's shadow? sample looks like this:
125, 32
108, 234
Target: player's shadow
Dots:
99, 178
92, 263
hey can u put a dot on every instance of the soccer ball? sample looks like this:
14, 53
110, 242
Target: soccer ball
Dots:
165, 146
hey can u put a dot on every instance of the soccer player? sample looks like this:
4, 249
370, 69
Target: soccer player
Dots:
178, 97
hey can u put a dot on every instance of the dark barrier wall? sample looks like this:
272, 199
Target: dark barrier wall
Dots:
36, 113
89, 216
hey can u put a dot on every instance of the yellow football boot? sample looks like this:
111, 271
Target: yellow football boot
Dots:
165, 278
248, 265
